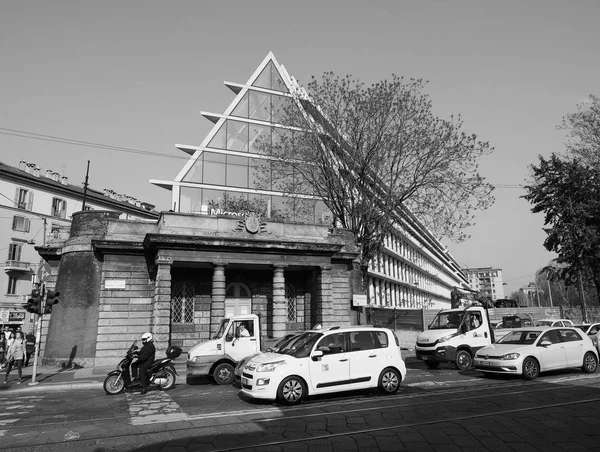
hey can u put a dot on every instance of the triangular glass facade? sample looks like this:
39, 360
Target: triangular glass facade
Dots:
229, 173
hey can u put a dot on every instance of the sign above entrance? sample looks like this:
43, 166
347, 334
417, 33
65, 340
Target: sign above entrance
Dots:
114, 284
359, 300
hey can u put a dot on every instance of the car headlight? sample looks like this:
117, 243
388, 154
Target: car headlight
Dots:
445, 338
510, 356
195, 359
269, 367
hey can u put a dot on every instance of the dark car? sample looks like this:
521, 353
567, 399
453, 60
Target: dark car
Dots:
506, 303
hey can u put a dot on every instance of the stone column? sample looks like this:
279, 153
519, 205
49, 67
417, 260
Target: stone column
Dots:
325, 309
161, 310
217, 307
279, 302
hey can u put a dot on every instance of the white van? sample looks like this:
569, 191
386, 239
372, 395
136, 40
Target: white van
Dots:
454, 335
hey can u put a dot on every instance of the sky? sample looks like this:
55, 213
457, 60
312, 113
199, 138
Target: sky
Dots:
137, 74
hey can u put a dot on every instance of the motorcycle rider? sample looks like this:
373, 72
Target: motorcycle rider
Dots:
145, 358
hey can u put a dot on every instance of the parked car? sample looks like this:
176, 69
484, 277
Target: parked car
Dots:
529, 351
320, 362
272, 348
553, 322
591, 330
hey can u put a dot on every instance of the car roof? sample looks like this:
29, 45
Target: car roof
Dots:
543, 328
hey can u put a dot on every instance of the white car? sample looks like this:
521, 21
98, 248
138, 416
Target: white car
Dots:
320, 362
531, 350
553, 322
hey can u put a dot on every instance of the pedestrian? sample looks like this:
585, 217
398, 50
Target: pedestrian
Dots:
15, 356
145, 358
2, 348
10, 337
29, 346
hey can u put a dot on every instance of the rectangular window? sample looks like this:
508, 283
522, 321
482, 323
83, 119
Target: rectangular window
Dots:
14, 251
24, 199
21, 224
59, 208
12, 286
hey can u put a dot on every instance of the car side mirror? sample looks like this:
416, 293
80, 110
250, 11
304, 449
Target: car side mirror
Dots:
229, 337
545, 343
317, 355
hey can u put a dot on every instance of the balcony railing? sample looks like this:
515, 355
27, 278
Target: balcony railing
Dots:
17, 266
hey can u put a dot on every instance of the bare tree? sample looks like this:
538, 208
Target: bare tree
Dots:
377, 154
583, 136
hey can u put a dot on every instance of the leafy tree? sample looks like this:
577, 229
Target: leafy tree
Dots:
371, 152
568, 193
583, 134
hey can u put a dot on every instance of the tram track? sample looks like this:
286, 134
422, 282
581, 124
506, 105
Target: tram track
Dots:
263, 419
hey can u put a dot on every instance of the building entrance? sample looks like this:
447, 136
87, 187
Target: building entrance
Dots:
238, 299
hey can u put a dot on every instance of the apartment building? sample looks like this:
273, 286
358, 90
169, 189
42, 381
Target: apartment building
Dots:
35, 205
486, 280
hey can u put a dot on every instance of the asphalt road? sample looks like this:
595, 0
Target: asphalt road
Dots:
440, 409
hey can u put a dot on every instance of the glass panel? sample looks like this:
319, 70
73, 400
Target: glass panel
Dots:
236, 202
264, 78
282, 141
281, 109
237, 136
214, 168
195, 172
258, 204
260, 174
237, 171
214, 199
278, 211
277, 82
259, 106
218, 140
189, 200
241, 108
260, 139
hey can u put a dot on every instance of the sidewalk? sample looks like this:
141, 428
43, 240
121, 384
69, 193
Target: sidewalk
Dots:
53, 378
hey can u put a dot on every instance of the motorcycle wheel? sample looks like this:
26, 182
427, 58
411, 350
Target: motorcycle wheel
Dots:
170, 376
114, 384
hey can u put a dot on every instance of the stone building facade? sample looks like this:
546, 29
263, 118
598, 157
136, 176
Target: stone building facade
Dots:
180, 276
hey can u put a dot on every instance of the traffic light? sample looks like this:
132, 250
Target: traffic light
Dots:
51, 300
34, 304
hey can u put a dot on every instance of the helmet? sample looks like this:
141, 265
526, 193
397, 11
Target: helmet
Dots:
146, 337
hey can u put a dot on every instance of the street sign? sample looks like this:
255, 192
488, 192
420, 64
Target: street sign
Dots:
359, 300
43, 272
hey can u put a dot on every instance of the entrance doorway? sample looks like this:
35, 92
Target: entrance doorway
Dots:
238, 299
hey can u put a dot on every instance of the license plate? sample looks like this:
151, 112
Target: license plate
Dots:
486, 363
425, 358
244, 381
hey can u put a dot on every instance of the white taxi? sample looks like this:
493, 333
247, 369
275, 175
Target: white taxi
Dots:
320, 362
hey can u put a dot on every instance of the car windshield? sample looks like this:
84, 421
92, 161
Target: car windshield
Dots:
221, 331
544, 323
445, 320
524, 337
301, 345
281, 343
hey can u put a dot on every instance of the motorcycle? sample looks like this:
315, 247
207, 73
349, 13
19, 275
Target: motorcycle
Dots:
161, 374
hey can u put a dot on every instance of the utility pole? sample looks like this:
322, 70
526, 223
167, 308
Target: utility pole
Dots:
85, 185
38, 332
549, 293
581, 296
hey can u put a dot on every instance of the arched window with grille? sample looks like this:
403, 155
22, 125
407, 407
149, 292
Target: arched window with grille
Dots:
182, 302
292, 302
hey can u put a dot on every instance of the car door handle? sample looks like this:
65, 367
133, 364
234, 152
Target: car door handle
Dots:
372, 356
343, 360
253, 340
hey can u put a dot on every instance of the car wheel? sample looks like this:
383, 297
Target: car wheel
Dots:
531, 368
389, 381
432, 365
223, 374
463, 361
291, 391
590, 363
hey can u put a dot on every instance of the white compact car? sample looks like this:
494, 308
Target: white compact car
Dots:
531, 350
320, 362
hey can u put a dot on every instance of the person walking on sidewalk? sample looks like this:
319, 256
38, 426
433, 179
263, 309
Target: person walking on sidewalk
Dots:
3, 346
15, 356
29, 346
